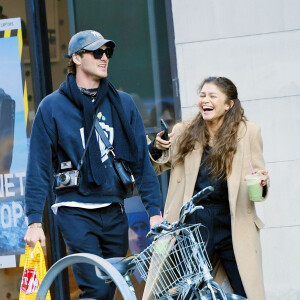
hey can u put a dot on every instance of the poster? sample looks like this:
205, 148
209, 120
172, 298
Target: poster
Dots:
13, 140
138, 222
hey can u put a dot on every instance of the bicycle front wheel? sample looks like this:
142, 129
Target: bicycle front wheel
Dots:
92, 259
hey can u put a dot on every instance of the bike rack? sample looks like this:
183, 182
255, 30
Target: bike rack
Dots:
92, 259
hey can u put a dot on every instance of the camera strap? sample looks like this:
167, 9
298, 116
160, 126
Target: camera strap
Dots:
79, 166
104, 139
121, 168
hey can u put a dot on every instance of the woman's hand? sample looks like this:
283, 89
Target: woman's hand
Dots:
265, 176
156, 219
162, 144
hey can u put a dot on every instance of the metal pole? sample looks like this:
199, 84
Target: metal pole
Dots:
71, 14
156, 81
173, 59
42, 86
39, 49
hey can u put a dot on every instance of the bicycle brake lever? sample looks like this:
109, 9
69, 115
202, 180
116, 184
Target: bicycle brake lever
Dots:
202, 194
158, 228
196, 208
150, 234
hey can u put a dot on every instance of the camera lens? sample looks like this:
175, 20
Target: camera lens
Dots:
64, 179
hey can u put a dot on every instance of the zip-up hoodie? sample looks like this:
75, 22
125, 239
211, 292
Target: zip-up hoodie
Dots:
56, 138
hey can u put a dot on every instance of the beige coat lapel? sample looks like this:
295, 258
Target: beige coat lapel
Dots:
233, 180
191, 168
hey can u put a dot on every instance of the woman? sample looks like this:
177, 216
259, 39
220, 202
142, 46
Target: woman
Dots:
215, 149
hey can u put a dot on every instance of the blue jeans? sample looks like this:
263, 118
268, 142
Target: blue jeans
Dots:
102, 232
216, 217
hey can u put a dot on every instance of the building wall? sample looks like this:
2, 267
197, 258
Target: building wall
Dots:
256, 44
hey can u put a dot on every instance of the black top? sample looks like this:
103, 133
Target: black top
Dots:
204, 179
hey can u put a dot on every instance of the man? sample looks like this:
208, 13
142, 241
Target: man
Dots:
90, 216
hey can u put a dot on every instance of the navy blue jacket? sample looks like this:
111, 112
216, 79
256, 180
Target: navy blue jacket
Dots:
56, 138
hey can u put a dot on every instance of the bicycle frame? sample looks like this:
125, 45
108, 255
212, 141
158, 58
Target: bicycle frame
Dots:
191, 281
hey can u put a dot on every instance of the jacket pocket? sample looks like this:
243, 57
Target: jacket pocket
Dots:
258, 222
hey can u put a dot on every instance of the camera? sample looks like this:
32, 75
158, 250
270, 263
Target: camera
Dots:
67, 179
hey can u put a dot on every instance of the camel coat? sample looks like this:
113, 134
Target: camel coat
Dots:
245, 223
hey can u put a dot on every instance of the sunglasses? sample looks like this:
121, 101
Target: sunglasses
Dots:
99, 52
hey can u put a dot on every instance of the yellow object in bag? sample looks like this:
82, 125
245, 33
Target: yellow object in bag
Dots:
33, 274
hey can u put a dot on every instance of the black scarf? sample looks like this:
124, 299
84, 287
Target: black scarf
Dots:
124, 142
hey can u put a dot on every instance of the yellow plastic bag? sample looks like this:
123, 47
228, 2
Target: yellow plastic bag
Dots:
33, 274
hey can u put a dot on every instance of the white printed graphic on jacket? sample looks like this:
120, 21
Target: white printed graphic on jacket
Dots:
109, 132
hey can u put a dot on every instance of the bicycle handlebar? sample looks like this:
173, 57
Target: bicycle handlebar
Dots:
186, 209
158, 228
202, 194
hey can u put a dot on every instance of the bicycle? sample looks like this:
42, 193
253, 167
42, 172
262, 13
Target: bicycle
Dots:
176, 263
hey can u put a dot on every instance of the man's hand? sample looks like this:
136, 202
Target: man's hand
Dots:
155, 220
35, 233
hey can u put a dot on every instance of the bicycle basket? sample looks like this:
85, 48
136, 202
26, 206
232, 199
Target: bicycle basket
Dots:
172, 260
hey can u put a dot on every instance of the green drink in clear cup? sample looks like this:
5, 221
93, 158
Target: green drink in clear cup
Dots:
254, 187
162, 245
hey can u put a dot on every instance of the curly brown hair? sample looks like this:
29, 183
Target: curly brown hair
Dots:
222, 153
71, 67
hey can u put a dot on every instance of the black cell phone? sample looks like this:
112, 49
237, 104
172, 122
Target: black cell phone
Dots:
164, 127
